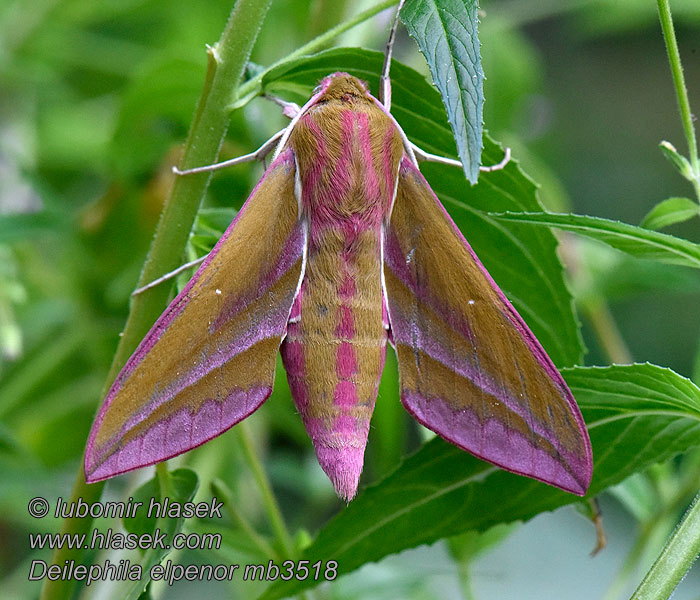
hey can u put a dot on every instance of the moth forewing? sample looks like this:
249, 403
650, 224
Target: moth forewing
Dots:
469, 367
209, 359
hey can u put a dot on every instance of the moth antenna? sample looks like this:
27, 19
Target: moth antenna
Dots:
384, 80
289, 109
259, 154
168, 276
443, 160
500, 165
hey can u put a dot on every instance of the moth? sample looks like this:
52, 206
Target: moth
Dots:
342, 247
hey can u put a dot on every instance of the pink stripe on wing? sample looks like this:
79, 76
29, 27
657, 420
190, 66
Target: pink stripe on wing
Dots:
175, 434
495, 442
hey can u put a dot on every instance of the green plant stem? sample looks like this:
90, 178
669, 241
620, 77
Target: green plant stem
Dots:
607, 332
274, 514
465, 579
163, 485
251, 88
656, 528
63, 589
649, 534
675, 560
674, 59
221, 491
227, 61
595, 306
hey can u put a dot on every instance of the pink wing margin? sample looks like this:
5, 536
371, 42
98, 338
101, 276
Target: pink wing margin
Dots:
209, 360
470, 369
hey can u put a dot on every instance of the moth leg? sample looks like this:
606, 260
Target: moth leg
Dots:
167, 276
597, 518
259, 154
423, 155
289, 109
384, 80
500, 165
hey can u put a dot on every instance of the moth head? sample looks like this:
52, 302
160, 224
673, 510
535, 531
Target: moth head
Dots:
342, 87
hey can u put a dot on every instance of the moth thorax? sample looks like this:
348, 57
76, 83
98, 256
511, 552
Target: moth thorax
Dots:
345, 88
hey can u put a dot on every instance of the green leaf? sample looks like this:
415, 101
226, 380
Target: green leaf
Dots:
633, 240
670, 211
182, 485
522, 260
615, 276
214, 219
446, 33
677, 160
209, 226
467, 546
637, 415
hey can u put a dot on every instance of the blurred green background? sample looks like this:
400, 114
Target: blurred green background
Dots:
95, 102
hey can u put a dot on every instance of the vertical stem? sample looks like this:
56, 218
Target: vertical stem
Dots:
227, 61
63, 589
674, 59
594, 305
222, 493
465, 580
163, 483
274, 514
607, 331
675, 560
683, 547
